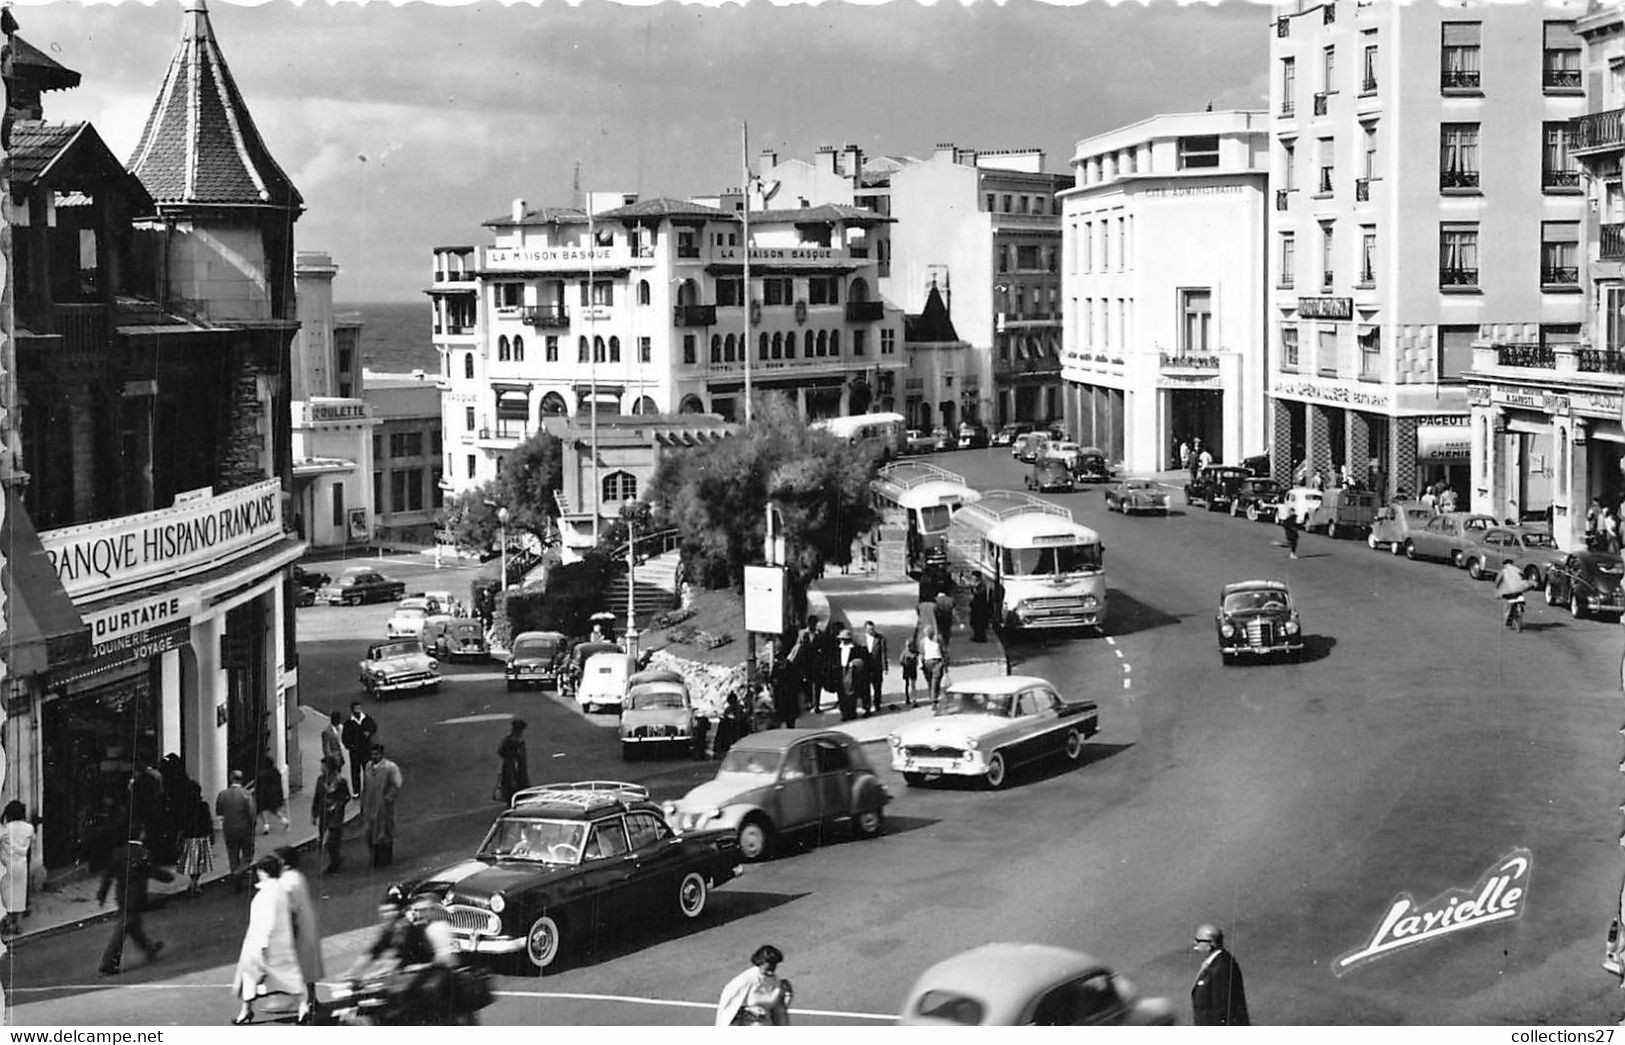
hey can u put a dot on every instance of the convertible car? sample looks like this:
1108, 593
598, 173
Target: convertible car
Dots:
1137, 495
1257, 619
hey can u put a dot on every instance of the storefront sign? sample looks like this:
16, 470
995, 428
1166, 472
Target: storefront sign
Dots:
1599, 404
118, 621
1548, 402
521, 259
1450, 442
1195, 190
119, 554
1335, 394
764, 599
824, 254
1478, 395
1325, 308
1441, 420
126, 649
354, 410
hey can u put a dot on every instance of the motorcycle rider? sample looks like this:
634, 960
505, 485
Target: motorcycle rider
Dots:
415, 942
1510, 586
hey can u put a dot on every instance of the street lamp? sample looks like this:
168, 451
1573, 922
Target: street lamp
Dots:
502, 519
631, 589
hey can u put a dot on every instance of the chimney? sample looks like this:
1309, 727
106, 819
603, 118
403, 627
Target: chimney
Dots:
766, 161
825, 160
851, 160
518, 210
945, 151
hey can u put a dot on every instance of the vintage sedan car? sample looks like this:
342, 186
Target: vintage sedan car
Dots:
603, 680
1530, 549
1588, 583
1257, 619
534, 660
1006, 436
1343, 511
408, 619
1448, 537
988, 726
1214, 486
1063, 450
1092, 466
944, 439
309, 578
1300, 502
1257, 499
1137, 495
566, 859
361, 584
1396, 522
918, 442
1029, 446
1050, 473
783, 780
657, 713
973, 436
456, 638
398, 666
1028, 984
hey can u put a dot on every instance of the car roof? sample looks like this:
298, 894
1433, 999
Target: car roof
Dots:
998, 684
993, 970
784, 739
538, 636
412, 603
404, 639
654, 675
1239, 586
580, 799
1138, 480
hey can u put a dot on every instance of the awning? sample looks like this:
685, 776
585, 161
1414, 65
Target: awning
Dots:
45, 629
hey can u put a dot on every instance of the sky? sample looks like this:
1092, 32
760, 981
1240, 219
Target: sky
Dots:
404, 127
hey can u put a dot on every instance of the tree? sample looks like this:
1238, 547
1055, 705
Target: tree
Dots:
717, 494
524, 485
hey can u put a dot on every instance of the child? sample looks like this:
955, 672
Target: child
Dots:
910, 663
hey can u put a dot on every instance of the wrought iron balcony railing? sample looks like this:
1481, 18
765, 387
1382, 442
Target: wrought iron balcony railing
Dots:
1458, 277
1611, 241
545, 315
1559, 276
1562, 79
1459, 79
1601, 360
1597, 130
1541, 357
1559, 179
694, 315
1458, 179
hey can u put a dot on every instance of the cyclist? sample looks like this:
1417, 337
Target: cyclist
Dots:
1510, 586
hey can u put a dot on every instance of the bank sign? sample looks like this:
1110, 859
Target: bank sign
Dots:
102, 558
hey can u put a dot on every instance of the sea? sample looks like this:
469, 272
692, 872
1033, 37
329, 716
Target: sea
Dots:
395, 335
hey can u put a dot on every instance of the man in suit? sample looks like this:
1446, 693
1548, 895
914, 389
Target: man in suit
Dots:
1218, 998
333, 738
852, 675
874, 647
358, 732
235, 808
126, 874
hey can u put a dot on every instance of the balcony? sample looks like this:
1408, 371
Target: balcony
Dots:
1560, 79
694, 315
1362, 190
1288, 107
865, 311
1601, 361
1596, 131
1458, 180
1540, 357
1042, 365
1559, 179
687, 250
1283, 27
1183, 361
1368, 85
1459, 80
453, 277
1458, 277
545, 316
1320, 103
1611, 244
1280, 199
1559, 276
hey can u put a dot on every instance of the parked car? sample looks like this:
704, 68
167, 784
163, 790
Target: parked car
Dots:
304, 597
534, 660
398, 666
1342, 512
1396, 522
918, 442
1029, 447
603, 680
1588, 582
566, 859
361, 584
456, 638
438, 601
1137, 495
1531, 550
309, 578
407, 620
1049, 473
1006, 436
972, 436
1214, 486
657, 712
1092, 466
1257, 499
1301, 502
1257, 466
783, 780
1448, 537
1063, 450
942, 439
986, 727
1028, 984
1257, 619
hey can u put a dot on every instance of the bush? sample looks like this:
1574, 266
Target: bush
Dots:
564, 602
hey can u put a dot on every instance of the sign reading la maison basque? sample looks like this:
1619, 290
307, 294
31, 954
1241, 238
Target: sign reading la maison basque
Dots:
814, 254
119, 554
522, 259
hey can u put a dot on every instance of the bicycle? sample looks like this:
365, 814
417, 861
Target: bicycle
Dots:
1514, 612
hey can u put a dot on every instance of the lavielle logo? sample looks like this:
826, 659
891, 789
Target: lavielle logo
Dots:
1497, 896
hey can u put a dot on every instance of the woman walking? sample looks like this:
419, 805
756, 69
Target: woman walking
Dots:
307, 931
327, 805
197, 841
514, 776
269, 797
909, 661
16, 839
757, 997
1289, 530
268, 963
931, 661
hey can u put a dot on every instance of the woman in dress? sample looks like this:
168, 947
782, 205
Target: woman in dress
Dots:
197, 840
269, 960
16, 839
269, 798
307, 931
757, 997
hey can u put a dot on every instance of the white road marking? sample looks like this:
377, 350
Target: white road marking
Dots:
495, 716
1128, 667
1126, 683
1112, 642
1119, 653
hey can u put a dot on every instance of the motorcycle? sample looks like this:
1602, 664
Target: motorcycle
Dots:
398, 998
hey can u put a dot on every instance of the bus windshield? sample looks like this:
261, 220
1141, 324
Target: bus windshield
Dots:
1070, 558
934, 519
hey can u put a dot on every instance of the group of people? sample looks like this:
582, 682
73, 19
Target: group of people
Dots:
1440, 496
1605, 530
1193, 456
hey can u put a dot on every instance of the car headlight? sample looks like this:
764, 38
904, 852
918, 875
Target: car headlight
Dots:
1291, 627
971, 744
498, 904
1090, 602
1227, 629
669, 808
434, 665
894, 740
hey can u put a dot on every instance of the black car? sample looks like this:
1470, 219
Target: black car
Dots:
1257, 499
1050, 473
361, 585
1258, 466
1588, 583
565, 861
534, 660
1092, 466
1215, 486
309, 578
1257, 619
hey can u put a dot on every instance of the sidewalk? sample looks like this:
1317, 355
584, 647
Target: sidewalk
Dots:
73, 903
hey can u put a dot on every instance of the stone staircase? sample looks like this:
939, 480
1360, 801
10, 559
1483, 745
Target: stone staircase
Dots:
656, 588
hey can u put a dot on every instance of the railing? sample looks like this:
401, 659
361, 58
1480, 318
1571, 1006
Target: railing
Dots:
1559, 179
1041, 365
1189, 362
865, 311
1283, 27
858, 252
1560, 276
1458, 179
1362, 190
1563, 79
453, 277
1601, 360
1320, 103
1597, 130
688, 251
1288, 107
1611, 240
1459, 80
694, 315
1541, 357
1326, 179
1280, 199
1458, 277
1368, 85
1367, 278
545, 315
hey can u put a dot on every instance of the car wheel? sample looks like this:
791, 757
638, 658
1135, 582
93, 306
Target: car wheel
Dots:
1410, 551
913, 779
1371, 541
1395, 548
692, 892
1457, 560
1531, 574
1235, 509
1074, 745
753, 838
1577, 606
1252, 513
1331, 530
869, 823
1551, 593
544, 943
995, 770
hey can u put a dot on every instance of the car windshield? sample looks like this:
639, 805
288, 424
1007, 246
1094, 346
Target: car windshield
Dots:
1418, 514
469, 631
1030, 562
972, 703
1246, 601
761, 763
544, 841
642, 699
534, 648
934, 519
411, 613
1538, 540
950, 1007
1266, 486
399, 649
1477, 522
1140, 486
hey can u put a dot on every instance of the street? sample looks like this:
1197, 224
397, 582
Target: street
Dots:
1415, 745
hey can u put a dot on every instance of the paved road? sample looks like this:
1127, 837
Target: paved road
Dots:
1291, 803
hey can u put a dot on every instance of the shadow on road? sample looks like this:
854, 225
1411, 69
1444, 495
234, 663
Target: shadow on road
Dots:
1315, 647
1027, 775
1128, 615
727, 905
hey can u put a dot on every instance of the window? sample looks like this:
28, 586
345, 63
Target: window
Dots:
729, 354
583, 351
888, 341
778, 290
378, 492
988, 200
608, 841
1458, 62
620, 486
778, 346
1289, 86
472, 464
598, 350
1328, 70
1088, 249
338, 503
518, 348
790, 346
468, 366
762, 345
1003, 254
1326, 358
1613, 314
1005, 201
730, 291
1368, 71
1327, 244
1560, 254
377, 446
1122, 244
1021, 207
716, 348
860, 342
820, 343
468, 418
509, 295
502, 349
1326, 150
1289, 347
397, 489
597, 292
834, 342
406, 444
614, 349
551, 353
1105, 244
1289, 258
1198, 150
824, 290
646, 830
1371, 353
1196, 321
1368, 255
643, 292
1455, 352
1558, 168
1560, 65
1458, 254
1289, 165
1027, 256
1369, 132
1458, 156
831, 758
645, 349
434, 442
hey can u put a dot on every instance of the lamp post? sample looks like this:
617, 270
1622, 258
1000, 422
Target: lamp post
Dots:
631, 589
502, 520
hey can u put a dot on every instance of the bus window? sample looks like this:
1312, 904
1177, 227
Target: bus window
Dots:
934, 519
1073, 558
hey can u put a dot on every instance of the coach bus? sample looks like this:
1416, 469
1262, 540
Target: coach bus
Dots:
1045, 570
885, 432
922, 498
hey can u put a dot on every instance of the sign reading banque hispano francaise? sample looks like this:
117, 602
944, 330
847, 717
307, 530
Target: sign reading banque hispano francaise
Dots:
118, 554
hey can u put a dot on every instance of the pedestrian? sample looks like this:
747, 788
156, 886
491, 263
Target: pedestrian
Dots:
269, 960
1289, 530
177, 809
359, 729
909, 662
16, 839
1610, 529
758, 996
307, 930
1447, 499
852, 675
514, 774
1317, 481
327, 805
943, 610
1184, 454
235, 808
932, 660
1218, 998
808, 657
1428, 498
781, 683
380, 786
874, 647
1593, 519
147, 805
1194, 462
912, 549
126, 874
333, 738
197, 847
981, 609
1204, 459
269, 797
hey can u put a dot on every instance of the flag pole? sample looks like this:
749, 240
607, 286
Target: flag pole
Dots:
592, 372
744, 155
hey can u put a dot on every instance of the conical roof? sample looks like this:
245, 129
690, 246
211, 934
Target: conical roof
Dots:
933, 324
200, 145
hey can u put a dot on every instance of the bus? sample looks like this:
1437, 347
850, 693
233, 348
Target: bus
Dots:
1045, 570
886, 432
921, 497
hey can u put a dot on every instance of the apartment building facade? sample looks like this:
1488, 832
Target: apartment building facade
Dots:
1423, 207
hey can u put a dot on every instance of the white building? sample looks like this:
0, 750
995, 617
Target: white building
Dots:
1163, 283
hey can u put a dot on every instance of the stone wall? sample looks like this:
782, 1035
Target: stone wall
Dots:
708, 684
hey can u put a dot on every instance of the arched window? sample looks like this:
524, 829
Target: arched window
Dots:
687, 294
620, 486
645, 405
597, 350
778, 346
643, 292
614, 349
468, 366
834, 342
553, 405
518, 349
823, 343
790, 345
716, 348
585, 351
691, 404
728, 349
859, 290
502, 349
761, 345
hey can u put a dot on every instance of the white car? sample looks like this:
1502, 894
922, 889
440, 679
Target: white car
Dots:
1064, 451
408, 619
986, 727
1299, 501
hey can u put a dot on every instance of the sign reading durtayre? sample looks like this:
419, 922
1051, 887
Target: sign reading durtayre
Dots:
120, 553
133, 617
1497, 896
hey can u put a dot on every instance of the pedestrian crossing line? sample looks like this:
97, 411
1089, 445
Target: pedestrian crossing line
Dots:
1128, 668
